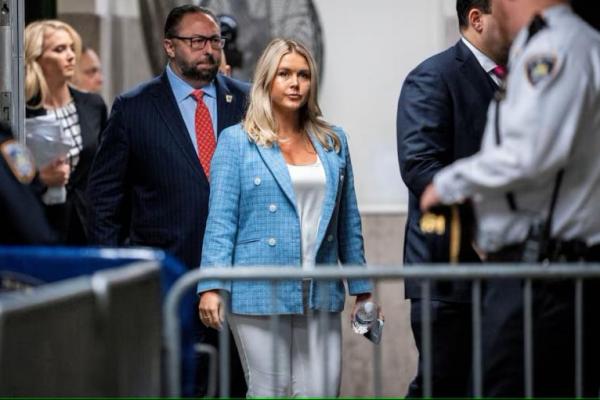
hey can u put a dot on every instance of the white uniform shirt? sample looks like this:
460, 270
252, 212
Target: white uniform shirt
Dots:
309, 183
549, 120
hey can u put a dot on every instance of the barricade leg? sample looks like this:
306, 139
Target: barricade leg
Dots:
528, 337
476, 326
275, 326
224, 351
426, 337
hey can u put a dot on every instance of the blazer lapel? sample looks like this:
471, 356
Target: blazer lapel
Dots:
227, 105
165, 104
274, 161
87, 137
474, 73
331, 165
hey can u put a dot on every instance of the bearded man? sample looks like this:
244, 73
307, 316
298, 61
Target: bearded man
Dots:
149, 185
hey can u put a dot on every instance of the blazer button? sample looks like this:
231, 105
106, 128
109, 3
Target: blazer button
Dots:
330, 238
272, 208
257, 181
272, 242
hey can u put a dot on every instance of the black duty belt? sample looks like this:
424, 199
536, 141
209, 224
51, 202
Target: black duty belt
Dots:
558, 250
574, 250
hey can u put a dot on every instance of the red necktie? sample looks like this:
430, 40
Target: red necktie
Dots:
205, 136
500, 71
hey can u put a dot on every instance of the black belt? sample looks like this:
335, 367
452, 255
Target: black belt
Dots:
510, 253
574, 250
567, 250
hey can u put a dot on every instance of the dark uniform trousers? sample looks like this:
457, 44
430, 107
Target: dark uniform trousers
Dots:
553, 324
451, 343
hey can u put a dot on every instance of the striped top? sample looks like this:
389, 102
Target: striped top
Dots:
69, 120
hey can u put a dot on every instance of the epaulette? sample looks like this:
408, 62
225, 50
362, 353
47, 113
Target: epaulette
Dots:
537, 24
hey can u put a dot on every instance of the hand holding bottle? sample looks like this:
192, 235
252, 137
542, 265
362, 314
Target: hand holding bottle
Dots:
367, 318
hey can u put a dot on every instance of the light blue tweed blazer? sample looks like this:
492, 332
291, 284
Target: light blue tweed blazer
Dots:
253, 221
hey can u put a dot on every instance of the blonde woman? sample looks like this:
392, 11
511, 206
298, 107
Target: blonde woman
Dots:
52, 49
282, 193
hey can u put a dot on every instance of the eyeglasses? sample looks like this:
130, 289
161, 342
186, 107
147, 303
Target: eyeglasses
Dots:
198, 42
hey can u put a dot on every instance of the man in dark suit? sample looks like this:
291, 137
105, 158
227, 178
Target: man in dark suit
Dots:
441, 117
149, 181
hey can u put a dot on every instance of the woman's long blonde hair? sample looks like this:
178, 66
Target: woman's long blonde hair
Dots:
36, 85
260, 123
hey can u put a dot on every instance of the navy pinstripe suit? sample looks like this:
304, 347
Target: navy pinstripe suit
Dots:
146, 182
146, 186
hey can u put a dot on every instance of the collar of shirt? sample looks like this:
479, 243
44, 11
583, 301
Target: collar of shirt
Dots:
556, 10
486, 63
187, 103
183, 90
550, 14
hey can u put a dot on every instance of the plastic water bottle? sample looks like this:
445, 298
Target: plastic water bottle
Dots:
365, 316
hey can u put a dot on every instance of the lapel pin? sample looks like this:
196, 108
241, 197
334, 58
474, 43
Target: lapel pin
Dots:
228, 98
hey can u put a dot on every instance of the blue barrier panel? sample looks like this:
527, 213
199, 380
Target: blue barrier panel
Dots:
51, 264
38, 265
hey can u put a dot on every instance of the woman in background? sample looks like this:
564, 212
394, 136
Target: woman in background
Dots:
52, 49
282, 193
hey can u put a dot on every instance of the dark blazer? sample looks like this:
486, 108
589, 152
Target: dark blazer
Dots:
70, 219
146, 183
441, 117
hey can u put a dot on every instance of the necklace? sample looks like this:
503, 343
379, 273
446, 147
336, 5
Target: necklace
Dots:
296, 144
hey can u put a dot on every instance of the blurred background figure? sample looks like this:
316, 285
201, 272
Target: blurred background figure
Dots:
224, 68
232, 56
88, 74
52, 49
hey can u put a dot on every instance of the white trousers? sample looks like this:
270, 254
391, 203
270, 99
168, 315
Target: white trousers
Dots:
301, 359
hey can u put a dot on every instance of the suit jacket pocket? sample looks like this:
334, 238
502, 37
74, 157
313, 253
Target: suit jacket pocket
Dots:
246, 241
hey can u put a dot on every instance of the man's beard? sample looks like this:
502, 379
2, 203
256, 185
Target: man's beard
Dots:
192, 72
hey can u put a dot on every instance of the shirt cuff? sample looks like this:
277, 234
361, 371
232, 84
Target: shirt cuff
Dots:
450, 187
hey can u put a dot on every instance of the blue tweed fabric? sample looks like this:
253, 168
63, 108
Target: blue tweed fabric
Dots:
253, 221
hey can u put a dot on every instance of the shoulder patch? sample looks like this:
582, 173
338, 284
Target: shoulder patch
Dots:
19, 161
541, 67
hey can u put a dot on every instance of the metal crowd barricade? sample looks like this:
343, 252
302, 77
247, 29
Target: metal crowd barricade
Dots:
81, 336
425, 273
44, 265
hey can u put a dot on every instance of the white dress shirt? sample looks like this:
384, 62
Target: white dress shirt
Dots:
486, 63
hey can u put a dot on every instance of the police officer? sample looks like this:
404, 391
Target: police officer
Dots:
536, 187
21, 214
